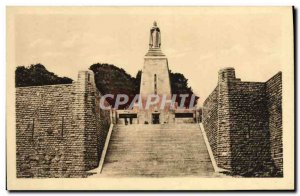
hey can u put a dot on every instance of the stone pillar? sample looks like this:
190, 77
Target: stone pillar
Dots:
83, 139
225, 79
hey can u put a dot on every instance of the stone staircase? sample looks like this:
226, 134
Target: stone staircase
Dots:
168, 150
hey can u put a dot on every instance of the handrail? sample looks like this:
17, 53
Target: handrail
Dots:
104, 150
211, 155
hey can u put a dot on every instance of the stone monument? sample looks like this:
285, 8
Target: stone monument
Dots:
155, 81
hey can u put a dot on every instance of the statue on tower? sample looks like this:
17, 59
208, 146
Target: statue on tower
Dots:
154, 41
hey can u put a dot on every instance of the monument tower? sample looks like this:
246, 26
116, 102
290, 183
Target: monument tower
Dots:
155, 81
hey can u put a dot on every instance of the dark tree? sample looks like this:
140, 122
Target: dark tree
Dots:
37, 75
137, 82
179, 85
113, 80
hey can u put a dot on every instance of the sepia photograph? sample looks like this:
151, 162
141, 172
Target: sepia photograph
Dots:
150, 98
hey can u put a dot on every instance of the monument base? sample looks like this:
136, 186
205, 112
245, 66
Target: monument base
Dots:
155, 52
156, 117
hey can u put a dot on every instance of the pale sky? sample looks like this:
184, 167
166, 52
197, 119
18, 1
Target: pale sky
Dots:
197, 41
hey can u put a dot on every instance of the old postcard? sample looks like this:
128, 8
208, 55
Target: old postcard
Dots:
150, 98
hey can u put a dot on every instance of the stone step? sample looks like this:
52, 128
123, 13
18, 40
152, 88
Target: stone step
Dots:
159, 169
151, 151
175, 134
162, 127
157, 150
158, 128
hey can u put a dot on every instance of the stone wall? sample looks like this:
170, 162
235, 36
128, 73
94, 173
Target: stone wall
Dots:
60, 130
240, 121
43, 116
274, 103
210, 122
249, 134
